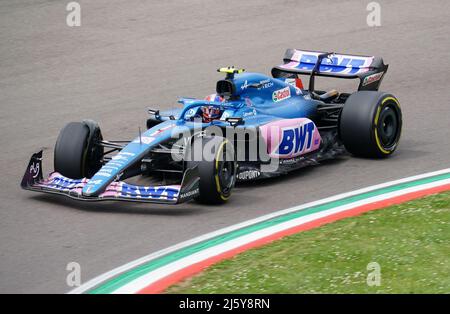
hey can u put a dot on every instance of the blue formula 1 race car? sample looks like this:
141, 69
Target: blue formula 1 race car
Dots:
255, 126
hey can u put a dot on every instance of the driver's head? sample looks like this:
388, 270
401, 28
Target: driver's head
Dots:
210, 113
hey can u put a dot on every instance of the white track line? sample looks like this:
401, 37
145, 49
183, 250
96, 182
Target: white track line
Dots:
116, 271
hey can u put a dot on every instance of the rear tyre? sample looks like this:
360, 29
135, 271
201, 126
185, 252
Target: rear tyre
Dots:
370, 124
217, 169
76, 154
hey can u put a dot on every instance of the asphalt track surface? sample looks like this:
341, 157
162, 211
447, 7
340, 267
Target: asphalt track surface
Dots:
128, 55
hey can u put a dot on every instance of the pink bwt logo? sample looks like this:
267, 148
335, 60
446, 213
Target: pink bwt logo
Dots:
291, 137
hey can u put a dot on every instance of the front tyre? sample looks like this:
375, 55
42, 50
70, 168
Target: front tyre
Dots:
216, 166
76, 154
370, 124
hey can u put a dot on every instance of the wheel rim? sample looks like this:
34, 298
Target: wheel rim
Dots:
226, 170
226, 175
388, 126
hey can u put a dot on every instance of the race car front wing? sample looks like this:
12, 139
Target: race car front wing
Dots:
56, 183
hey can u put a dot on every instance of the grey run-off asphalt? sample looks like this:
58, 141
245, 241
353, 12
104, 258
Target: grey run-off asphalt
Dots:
128, 55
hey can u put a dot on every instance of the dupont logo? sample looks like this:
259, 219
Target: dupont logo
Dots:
248, 175
281, 94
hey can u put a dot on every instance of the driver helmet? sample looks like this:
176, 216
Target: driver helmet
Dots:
210, 113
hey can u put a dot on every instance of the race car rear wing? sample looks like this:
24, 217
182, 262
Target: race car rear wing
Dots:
370, 70
116, 191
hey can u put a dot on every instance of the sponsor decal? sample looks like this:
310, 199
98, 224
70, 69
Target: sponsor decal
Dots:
119, 160
372, 78
103, 174
63, 183
267, 83
122, 156
344, 64
249, 113
293, 83
192, 193
119, 157
115, 189
34, 170
113, 164
288, 138
245, 85
290, 81
110, 168
226, 114
296, 140
167, 127
144, 140
150, 192
291, 161
107, 169
248, 175
281, 94
190, 113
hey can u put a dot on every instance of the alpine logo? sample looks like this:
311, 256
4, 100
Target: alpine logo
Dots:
245, 85
281, 94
